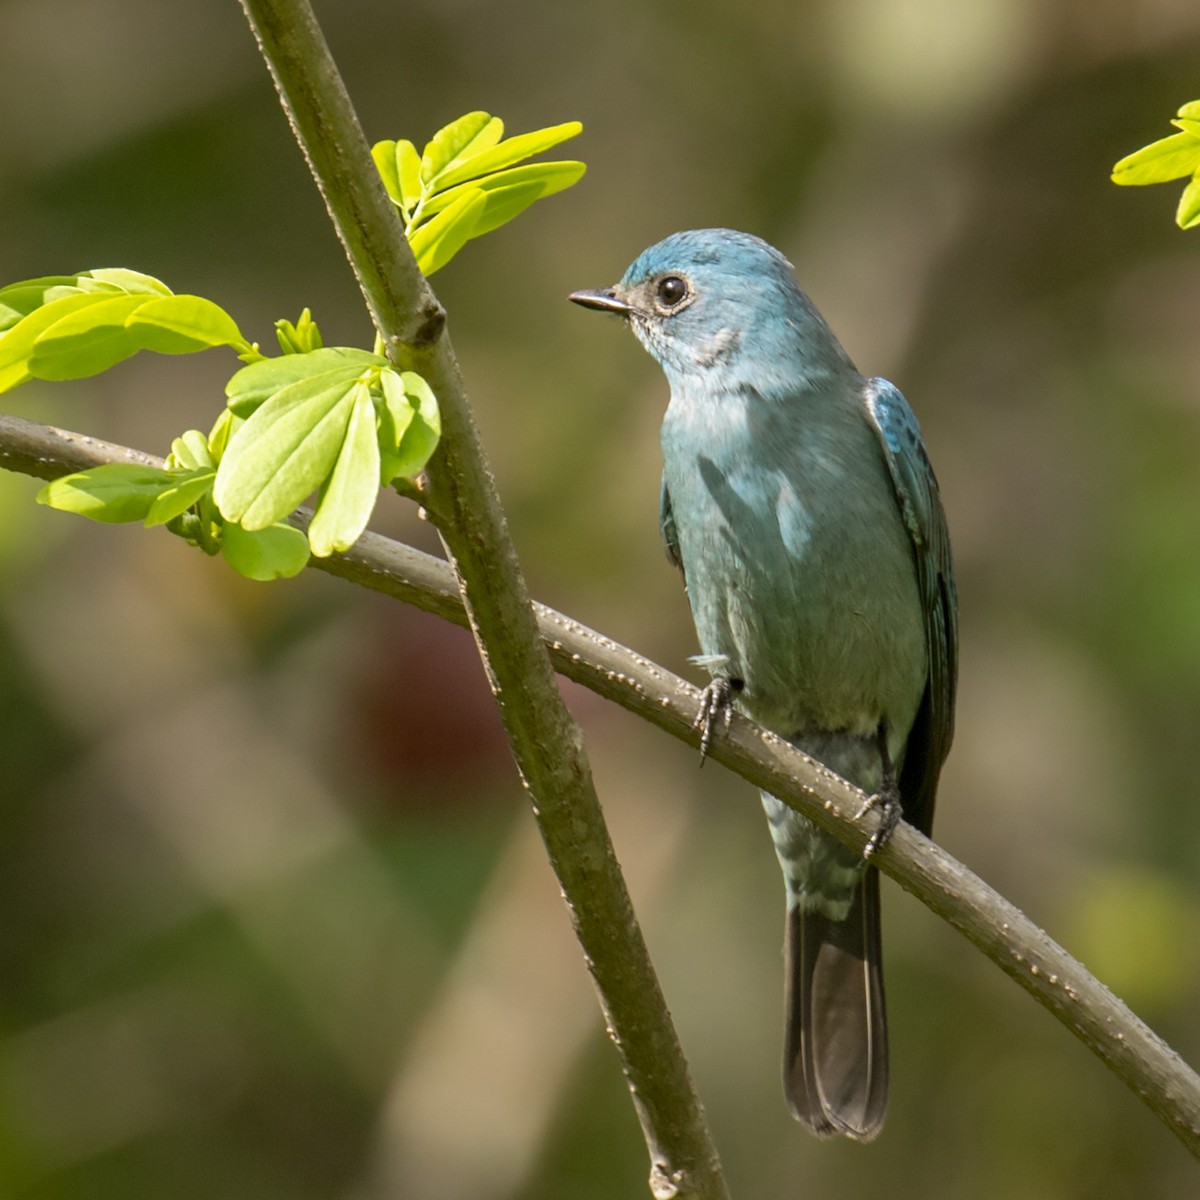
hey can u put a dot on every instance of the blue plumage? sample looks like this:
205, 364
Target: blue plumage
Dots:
800, 505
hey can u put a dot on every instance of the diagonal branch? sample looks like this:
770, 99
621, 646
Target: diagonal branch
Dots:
461, 497
1150, 1068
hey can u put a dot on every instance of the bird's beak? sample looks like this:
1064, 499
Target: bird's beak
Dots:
605, 300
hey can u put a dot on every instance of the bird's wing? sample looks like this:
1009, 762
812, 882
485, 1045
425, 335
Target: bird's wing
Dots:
666, 522
921, 507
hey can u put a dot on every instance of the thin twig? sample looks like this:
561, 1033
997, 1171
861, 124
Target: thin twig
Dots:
461, 496
1137, 1055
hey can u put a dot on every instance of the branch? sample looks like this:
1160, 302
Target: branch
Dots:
1150, 1068
461, 498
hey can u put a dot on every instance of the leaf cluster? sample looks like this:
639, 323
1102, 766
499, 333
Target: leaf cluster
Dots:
180, 496
337, 422
71, 326
1173, 157
467, 181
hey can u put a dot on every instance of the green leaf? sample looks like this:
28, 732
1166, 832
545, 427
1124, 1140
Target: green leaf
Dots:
550, 177
384, 156
503, 204
399, 166
408, 168
113, 493
415, 437
277, 552
301, 338
1190, 111
18, 300
508, 153
510, 192
439, 239
84, 333
349, 494
182, 325
125, 280
469, 136
87, 341
17, 345
1188, 213
180, 496
256, 383
224, 427
85, 283
395, 413
285, 451
190, 452
1169, 158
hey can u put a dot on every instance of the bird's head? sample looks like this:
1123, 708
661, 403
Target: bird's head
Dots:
725, 304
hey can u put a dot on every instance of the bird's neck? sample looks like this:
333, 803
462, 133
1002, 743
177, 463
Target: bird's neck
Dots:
772, 377
777, 359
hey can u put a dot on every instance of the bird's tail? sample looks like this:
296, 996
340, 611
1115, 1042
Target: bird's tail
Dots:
835, 1067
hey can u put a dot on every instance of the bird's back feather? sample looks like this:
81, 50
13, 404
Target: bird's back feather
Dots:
920, 504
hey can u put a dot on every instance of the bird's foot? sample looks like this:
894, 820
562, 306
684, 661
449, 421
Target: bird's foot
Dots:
887, 801
716, 704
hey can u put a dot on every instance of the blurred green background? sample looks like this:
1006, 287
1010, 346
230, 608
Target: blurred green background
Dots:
274, 921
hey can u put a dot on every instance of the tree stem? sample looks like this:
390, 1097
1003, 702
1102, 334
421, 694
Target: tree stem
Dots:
545, 741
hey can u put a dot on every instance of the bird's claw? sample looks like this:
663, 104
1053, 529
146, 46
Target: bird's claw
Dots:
887, 801
716, 703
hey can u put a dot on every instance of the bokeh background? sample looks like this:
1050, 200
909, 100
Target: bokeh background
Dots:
274, 921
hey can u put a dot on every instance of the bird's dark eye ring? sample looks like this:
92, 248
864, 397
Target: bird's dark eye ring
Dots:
671, 291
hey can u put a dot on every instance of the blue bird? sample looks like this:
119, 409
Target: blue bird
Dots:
799, 503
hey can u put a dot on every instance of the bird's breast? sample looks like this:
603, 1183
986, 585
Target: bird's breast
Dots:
799, 570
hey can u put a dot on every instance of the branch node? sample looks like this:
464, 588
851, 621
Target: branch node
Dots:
432, 322
666, 1184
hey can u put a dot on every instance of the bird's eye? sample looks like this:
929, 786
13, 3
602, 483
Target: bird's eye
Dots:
671, 291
